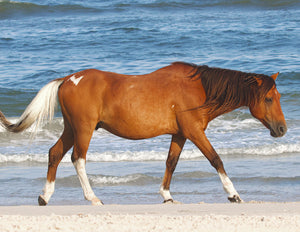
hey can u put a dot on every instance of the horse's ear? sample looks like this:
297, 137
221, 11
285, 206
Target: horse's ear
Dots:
274, 76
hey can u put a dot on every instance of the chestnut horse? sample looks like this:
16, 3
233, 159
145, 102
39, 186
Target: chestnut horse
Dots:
179, 99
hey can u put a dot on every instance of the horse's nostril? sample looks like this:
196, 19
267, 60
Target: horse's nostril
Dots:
282, 129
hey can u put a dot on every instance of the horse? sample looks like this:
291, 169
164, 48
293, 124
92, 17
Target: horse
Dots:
179, 99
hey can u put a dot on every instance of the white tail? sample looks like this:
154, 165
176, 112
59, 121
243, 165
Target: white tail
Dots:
41, 107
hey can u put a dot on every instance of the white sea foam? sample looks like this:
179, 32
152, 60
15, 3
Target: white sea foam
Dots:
23, 158
144, 156
121, 180
222, 123
262, 150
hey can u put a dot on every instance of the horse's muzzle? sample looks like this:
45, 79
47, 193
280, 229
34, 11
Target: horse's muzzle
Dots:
278, 129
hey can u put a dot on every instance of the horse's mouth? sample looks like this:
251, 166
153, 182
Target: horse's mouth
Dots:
278, 131
273, 134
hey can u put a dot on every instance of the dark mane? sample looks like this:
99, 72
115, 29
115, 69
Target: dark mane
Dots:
228, 89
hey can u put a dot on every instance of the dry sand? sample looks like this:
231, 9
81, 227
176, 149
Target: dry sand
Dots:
165, 217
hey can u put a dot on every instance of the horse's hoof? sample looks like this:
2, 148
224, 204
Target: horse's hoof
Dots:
235, 199
96, 201
169, 201
41, 201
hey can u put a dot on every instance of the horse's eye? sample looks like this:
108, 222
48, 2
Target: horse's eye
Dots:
269, 100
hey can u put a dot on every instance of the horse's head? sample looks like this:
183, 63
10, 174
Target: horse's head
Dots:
267, 109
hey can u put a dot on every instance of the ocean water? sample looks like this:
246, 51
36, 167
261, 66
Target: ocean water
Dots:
44, 40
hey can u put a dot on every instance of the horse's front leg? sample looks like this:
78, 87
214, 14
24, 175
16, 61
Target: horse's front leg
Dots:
175, 149
200, 140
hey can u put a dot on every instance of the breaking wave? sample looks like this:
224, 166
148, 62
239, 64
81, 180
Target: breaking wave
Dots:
145, 156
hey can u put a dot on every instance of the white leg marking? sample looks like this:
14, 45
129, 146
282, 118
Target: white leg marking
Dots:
165, 194
48, 190
227, 185
75, 80
87, 190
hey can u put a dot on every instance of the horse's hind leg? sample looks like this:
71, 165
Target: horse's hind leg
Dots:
56, 153
81, 144
175, 149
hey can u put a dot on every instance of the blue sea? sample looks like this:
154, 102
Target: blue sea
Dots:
44, 40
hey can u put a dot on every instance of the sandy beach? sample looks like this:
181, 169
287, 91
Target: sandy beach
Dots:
254, 216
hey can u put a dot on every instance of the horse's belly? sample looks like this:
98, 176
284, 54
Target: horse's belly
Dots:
140, 127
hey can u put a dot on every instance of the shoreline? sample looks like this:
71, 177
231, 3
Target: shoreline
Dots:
200, 209
252, 216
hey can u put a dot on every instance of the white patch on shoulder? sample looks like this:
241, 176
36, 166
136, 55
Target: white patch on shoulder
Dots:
75, 80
